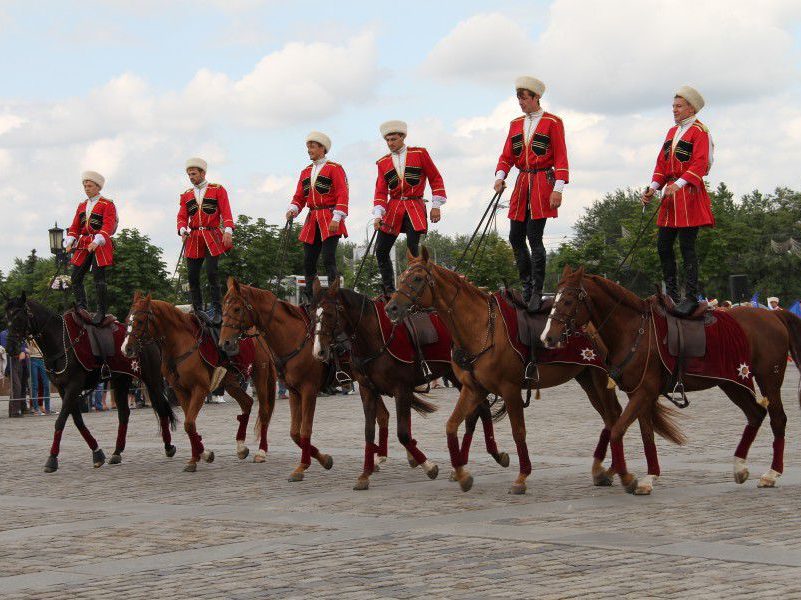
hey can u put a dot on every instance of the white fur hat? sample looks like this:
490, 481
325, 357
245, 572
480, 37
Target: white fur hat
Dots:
773, 299
94, 176
533, 85
393, 127
320, 138
692, 96
197, 163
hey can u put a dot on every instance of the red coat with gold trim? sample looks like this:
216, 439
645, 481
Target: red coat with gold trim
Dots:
329, 192
403, 194
689, 160
546, 153
205, 220
103, 220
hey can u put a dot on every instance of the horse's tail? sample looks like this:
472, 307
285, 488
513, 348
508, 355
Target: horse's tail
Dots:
162, 407
793, 325
422, 406
663, 420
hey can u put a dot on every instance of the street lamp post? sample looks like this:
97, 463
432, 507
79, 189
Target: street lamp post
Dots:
60, 281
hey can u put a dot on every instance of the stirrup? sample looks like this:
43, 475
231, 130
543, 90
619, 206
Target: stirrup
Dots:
427, 374
342, 377
531, 372
105, 372
682, 402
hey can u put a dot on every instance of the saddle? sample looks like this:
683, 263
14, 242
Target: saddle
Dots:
101, 337
686, 338
529, 325
422, 333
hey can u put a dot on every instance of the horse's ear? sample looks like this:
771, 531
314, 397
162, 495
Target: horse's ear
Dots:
233, 284
149, 296
333, 288
137, 296
566, 271
579, 272
424, 254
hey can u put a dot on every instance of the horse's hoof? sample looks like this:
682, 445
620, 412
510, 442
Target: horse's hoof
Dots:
243, 453
190, 467
518, 489
769, 479
430, 469
380, 460
208, 456
260, 457
98, 458
361, 484
741, 476
51, 466
296, 476
502, 458
602, 479
169, 451
327, 462
466, 483
631, 487
452, 476
643, 490
115, 459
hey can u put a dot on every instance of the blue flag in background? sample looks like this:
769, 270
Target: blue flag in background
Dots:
755, 300
796, 308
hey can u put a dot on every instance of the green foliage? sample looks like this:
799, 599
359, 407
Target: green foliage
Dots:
138, 265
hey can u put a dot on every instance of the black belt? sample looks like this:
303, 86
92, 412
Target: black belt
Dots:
407, 198
202, 228
322, 207
535, 170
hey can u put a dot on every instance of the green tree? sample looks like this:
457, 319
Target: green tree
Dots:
138, 265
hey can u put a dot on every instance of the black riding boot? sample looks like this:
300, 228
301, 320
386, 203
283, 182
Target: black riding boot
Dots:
387, 278
525, 281
672, 288
197, 305
309, 291
80, 294
101, 289
537, 281
690, 301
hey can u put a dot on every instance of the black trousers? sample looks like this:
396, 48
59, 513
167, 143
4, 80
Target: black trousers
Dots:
193, 267
383, 246
664, 244
530, 264
99, 275
311, 254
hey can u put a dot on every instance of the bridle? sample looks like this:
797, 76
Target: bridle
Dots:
140, 336
568, 319
30, 327
241, 324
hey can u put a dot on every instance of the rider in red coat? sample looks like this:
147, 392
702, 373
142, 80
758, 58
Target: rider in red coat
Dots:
535, 145
399, 205
323, 187
203, 211
683, 161
89, 235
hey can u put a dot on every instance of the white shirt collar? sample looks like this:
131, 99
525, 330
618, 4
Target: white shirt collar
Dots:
686, 122
536, 114
201, 185
401, 151
320, 161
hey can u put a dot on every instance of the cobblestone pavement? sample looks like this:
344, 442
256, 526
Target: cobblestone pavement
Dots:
236, 529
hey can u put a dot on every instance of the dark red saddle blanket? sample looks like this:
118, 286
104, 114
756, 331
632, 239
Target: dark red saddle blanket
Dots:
579, 349
435, 342
90, 342
212, 355
727, 353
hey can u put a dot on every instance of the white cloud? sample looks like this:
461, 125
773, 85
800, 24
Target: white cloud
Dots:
632, 53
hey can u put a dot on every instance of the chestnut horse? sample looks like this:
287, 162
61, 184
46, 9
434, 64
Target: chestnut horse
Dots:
492, 365
177, 335
289, 333
347, 320
29, 318
619, 316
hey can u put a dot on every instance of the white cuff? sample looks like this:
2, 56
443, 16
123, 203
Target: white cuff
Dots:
183, 230
338, 216
69, 240
378, 211
99, 239
680, 183
294, 209
558, 185
655, 186
437, 201
228, 230
500, 175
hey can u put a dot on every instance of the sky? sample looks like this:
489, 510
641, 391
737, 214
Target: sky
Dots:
132, 89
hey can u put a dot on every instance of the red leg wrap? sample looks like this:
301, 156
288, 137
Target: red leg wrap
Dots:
522, 456
89, 439
197, 445
369, 457
453, 449
56, 447
652, 459
618, 458
603, 444
122, 431
749, 433
466, 441
242, 430
383, 441
417, 455
489, 436
263, 437
305, 451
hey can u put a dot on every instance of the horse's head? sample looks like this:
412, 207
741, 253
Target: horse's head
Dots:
140, 328
20, 321
415, 287
238, 317
570, 310
328, 320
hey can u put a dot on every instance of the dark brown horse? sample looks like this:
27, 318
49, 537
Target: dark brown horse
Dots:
289, 336
347, 320
29, 318
177, 335
490, 364
623, 320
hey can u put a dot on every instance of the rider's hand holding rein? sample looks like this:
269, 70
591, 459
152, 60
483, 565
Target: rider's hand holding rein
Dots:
500, 184
647, 195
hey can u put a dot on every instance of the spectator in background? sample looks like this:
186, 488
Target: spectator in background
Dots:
16, 402
726, 304
773, 303
40, 384
282, 395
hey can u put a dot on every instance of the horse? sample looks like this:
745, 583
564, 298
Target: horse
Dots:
181, 340
621, 319
49, 330
288, 330
485, 361
348, 320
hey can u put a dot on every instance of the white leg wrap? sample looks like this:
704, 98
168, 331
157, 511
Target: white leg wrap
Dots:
240, 446
262, 453
769, 479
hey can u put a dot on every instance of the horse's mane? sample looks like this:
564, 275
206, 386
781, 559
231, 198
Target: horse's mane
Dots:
617, 291
173, 315
352, 297
460, 280
293, 310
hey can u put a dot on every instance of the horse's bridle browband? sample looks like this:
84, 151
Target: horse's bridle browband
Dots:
36, 332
